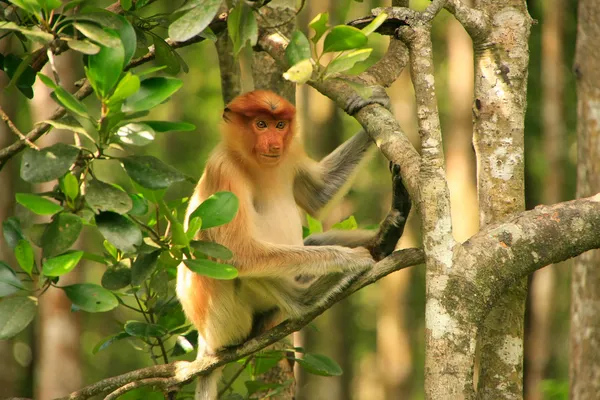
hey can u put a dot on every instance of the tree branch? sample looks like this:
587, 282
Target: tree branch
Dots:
474, 21
177, 373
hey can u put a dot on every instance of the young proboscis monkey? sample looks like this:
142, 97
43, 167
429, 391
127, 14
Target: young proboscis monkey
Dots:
261, 161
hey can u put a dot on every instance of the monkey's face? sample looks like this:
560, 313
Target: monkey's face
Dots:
270, 138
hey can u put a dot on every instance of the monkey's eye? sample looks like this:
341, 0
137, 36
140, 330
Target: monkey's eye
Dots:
280, 125
261, 124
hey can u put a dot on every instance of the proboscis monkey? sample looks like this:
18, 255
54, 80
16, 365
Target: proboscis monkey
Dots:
262, 162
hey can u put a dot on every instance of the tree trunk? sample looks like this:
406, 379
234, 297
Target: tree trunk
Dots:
501, 63
585, 290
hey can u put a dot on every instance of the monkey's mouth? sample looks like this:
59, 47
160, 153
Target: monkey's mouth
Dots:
271, 157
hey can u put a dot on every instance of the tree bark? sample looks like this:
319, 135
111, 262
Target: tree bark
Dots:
585, 289
501, 62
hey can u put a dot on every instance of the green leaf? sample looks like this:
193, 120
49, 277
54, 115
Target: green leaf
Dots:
49, 5
320, 25
104, 69
299, 73
143, 329
136, 134
69, 186
212, 249
185, 343
194, 226
68, 123
98, 34
15, 314
376, 23
319, 364
11, 228
116, 277
266, 361
101, 196
33, 33
139, 205
31, 6
83, 46
60, 265
107, 341
24, 255
48, 163
61, 234
194, 21
167, 126
126, 4
152, 92
9, 282
119, 230
347, 61
165, 55
347, 225
218, 209
150, 172
298, 49
68, 101
127, 86
19, 72
143, 266
211, 269
343, 37
242, 27
37, 204
90, 297
46, 80
314, 225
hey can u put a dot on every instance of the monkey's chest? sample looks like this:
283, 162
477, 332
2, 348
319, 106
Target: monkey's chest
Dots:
278, 221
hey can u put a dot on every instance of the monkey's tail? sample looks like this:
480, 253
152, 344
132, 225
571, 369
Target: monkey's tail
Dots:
206, 389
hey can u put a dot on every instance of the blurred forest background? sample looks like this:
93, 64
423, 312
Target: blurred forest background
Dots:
377, 335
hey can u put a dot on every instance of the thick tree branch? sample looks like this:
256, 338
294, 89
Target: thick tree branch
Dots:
474, 21
168, 376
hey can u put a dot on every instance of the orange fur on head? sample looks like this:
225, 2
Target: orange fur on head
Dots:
260, 102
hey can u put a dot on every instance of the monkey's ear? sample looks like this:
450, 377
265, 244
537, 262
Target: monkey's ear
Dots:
225, 117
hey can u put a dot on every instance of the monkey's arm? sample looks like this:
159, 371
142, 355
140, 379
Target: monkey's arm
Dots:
382, 242
317, 183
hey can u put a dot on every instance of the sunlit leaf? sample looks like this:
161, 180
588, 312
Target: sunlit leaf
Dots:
299, 73
38, 204
347, 61
136, 134
104, 69
68, 101
90, 297
127, 86
320, 25
314, 225
218, 209
33, 33
15, 314
24, 255
83, 46
152, 92
98, 34
343, 37
242, 27
211, 269
348, 224
376, 23
60, 265
69, 186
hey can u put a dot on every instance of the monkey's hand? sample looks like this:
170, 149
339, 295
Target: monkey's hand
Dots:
376, 95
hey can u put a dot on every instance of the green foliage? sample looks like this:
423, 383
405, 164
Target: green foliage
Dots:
242, 27
198, 14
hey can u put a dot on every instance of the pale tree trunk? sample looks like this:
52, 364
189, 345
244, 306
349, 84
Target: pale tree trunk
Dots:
501, 63
58, 364
541, 293
585, 289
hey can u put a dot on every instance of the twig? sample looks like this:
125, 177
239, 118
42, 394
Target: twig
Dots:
155, 383
16, 130
433, 9
234, 377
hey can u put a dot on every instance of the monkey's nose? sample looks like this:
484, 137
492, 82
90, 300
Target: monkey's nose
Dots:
275, 147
